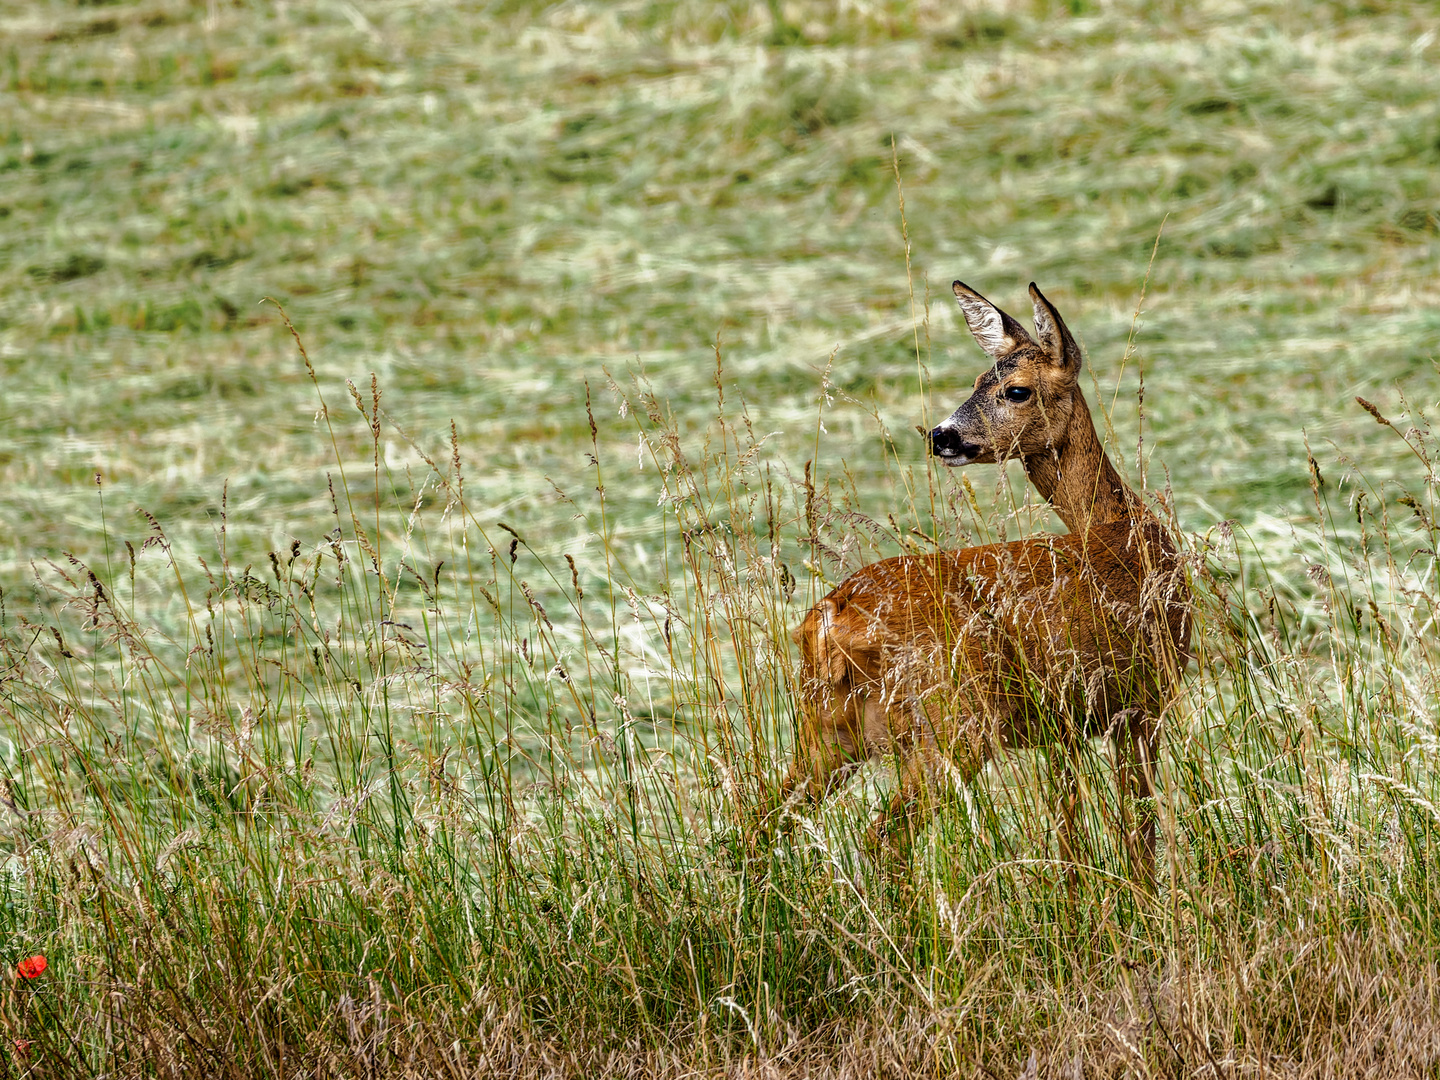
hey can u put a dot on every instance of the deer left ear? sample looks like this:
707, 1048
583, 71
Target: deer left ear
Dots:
995, 332
1053, 335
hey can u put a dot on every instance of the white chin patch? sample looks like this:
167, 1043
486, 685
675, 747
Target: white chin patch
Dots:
953, 459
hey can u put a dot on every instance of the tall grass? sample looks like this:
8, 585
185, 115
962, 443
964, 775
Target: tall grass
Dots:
424, 795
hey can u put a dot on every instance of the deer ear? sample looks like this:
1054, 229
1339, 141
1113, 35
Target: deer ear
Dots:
1053, 335
997, 333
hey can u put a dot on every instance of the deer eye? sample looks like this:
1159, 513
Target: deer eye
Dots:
1018, 393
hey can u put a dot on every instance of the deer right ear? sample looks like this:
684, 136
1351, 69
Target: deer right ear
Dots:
998, 334
1053, 335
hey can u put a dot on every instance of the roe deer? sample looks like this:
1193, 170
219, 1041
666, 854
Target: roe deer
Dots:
944, 659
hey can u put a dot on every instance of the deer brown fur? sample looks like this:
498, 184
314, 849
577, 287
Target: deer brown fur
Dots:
945, 659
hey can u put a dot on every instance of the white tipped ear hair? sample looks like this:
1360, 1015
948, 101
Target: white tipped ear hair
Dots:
997, 333
1051, 332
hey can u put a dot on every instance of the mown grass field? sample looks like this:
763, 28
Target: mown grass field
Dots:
338, 740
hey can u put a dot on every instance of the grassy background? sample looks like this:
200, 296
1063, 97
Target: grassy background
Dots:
486, 206
486, 819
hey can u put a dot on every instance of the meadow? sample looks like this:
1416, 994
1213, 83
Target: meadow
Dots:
423, 424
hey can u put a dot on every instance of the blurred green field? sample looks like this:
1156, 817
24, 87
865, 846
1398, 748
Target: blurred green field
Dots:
488, 205
378, 753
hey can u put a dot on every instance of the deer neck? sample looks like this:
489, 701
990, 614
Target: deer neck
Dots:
1078, 480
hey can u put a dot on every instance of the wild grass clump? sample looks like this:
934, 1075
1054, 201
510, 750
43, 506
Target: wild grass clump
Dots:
423, 794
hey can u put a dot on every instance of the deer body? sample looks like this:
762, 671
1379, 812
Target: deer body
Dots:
945, 659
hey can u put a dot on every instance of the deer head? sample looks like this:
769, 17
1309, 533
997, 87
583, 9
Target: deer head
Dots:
1022, 406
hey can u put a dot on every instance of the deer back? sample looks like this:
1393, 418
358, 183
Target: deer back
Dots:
1062, 630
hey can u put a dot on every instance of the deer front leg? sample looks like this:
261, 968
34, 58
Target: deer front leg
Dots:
1137, 751
1065, 784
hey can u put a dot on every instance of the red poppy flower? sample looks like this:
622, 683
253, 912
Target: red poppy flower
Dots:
22, 1047
32, 967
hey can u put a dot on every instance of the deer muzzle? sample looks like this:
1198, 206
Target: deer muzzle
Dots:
951, 447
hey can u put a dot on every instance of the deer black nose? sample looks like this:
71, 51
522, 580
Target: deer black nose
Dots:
946, 442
